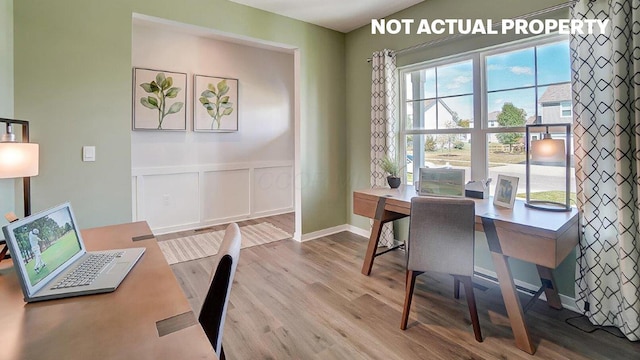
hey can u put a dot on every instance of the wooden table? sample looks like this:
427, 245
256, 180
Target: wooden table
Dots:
540, 237
118, 325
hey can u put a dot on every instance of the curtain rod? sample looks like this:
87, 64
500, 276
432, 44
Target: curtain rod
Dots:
495, 26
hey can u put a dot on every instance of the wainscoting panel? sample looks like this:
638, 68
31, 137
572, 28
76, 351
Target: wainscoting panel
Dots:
168, 200
226, 194
188, 197
272, 189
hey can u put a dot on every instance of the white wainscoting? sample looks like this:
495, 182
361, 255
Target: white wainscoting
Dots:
176, 198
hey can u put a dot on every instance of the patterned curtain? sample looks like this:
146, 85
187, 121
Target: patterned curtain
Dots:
383, 123
606, 89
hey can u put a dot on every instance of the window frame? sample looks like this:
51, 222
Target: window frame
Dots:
480, 131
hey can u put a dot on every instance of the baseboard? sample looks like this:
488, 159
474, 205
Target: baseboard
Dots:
221, 221
525, 287
324, 232
358, 231
367, 234
175, 228
261, 214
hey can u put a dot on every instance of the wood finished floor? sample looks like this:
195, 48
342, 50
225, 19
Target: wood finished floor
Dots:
308, 300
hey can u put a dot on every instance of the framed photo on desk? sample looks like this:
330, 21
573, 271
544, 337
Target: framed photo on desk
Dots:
506, 190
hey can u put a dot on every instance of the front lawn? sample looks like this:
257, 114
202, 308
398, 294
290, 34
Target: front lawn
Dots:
555, 196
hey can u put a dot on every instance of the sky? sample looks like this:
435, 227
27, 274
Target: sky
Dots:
504, 73
61, 217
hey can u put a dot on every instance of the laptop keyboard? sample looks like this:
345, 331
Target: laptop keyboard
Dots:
88, 271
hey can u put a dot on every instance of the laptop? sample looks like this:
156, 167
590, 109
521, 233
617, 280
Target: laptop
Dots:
441, 182
51, 261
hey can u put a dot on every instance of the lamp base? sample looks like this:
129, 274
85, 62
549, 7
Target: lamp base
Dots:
547, 205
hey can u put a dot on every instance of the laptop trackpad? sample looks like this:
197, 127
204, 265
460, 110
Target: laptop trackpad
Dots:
119, 267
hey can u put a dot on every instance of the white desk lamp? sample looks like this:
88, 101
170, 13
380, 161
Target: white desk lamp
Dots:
18, 160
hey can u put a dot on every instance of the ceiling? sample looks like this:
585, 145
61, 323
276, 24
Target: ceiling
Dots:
339, 15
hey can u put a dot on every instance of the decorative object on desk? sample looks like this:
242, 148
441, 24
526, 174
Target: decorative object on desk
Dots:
441, 182
215, 104
546, 150
158, 100
477, 189
18, 160
391, 167
506, 189
206, 244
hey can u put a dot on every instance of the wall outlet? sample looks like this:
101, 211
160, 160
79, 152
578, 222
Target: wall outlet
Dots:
165, 199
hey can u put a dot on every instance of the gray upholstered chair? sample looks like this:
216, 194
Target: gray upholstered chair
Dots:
441, 239
214, 308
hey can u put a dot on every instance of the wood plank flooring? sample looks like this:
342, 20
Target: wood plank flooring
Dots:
309, 300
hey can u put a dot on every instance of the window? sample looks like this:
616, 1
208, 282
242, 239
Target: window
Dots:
439, 111
565, 109
470, 111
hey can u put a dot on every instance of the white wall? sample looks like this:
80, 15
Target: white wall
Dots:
185, 180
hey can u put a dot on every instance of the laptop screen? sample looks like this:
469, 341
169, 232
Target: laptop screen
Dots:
441, 182
43, 245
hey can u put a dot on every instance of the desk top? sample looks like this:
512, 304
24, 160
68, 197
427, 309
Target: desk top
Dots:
537, 236
117, 325
543, 221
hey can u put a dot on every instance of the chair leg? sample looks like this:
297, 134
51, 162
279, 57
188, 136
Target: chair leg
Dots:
456, 287
410, 284
473, 310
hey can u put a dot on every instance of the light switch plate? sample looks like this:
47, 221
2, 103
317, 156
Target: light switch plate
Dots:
88, 153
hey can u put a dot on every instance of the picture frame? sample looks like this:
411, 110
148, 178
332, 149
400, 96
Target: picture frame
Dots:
441, 182
215, 104
159, 99
506, 190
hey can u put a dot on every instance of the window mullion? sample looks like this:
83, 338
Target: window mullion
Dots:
478, 137
417, 80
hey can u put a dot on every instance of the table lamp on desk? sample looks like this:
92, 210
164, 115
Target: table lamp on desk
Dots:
18, 160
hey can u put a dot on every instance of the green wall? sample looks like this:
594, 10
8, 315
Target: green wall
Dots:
360, 44
7, 196
6, 59
72, 72
73, 82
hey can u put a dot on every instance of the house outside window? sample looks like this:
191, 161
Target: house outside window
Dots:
565, 109
470, 111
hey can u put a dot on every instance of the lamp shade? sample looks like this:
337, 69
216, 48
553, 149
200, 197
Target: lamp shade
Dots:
18, 160
548, 150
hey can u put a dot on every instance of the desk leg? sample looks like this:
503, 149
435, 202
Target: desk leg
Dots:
512, 303
374, 239
550, 288
508, 288
382, 217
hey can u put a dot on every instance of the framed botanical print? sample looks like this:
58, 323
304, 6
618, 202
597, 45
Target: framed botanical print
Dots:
159, 99
215, 104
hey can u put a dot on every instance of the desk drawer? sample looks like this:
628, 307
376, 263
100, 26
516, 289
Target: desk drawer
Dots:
541, 250
365, 205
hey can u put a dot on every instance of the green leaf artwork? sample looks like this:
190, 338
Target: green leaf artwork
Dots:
162, 89
216, 101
